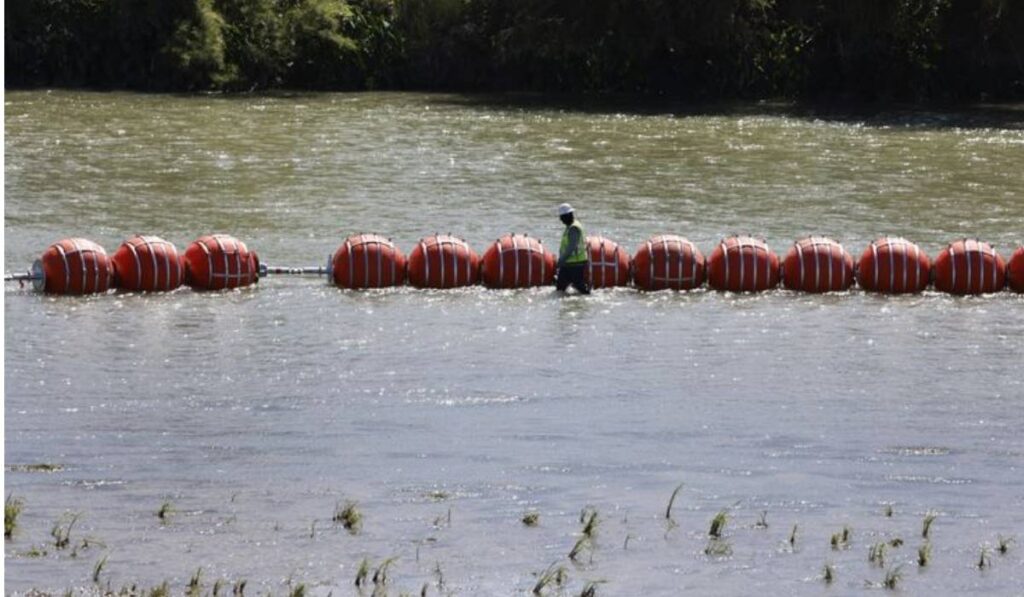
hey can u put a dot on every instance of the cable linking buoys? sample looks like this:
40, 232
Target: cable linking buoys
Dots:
443, 261
893, 266
517, 261
367, 261
609, 264
1015, 271
817, 264
743, 264
969, 266
220, 261
73, 266
668, 261
148, 263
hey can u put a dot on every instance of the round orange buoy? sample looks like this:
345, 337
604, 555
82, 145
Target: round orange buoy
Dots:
969, 267
743, 264
219, 261
1015, 271
148, 263
609, 264
367, 261
517, 261
668, 261
74, 266
817, 264
443, 261
893, 266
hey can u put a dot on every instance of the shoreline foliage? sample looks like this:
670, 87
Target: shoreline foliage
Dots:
869, 50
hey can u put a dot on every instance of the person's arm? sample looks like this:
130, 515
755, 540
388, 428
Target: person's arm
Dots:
570, 247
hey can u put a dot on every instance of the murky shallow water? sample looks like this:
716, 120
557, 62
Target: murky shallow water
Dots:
256, 412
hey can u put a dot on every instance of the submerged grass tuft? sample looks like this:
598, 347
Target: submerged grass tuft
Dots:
362, 572
924, 555
61, 531
380, 575
531, 519
195, 583
165, 511
672, 500
792, 536
12, 509
554, 576
983, 560
1004, 545
841, 540
888, 511
590, 589
876, 554
762, 520
349, 516
829, 575
892, 579
718, 524
577, 549
926, 525
97, 570
161, 590
590, 524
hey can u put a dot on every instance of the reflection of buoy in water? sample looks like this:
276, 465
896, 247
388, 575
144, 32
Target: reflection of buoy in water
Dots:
443, 261
893, 266
1015, 271
668, 261
609, 264
219, 261
367, 261
743, 264
817, 264
969, 267
517, 261
73, 266
148, 263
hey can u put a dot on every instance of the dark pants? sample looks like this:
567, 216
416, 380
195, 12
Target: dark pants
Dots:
575, 275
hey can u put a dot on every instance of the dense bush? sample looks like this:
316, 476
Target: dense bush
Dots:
837, 49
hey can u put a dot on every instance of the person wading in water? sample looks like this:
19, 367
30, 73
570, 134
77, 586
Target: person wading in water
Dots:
573, 256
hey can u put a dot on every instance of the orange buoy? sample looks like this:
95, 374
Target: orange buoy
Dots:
74, 266
668, 261
443, 261
743, 264
1015, 271
969, 266
148, 263
817, 264
219, 261
517, 261
367, 261
609, 264
893, 266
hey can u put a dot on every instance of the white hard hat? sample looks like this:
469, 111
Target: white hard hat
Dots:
564, 209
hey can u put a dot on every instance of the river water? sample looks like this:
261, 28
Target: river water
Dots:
449, 415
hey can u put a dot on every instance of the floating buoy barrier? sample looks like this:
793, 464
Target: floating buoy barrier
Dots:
148, 263
814, 264
1015, 271
893, 266
609, 264
743, 264
668, 262
73, 266
969, 266
517, 261
443, 261
817, 264
367, 261
220, 261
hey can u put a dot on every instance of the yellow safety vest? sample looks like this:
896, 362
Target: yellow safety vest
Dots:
580, 254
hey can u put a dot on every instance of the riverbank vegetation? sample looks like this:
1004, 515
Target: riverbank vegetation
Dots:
916, 50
